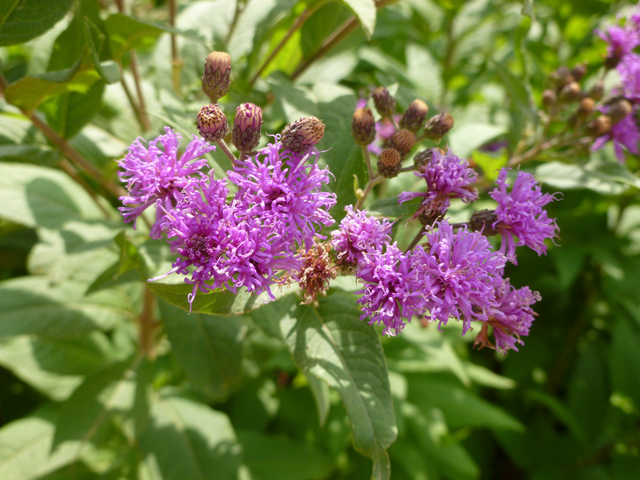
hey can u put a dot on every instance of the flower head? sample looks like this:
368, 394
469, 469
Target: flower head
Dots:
282, 188
625, 135
316, 273
391, 295
155, 173
458, 273
510, 319
447, 177
522, 219
359, 234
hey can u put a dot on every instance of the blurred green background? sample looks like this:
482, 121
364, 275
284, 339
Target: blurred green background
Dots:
227, 401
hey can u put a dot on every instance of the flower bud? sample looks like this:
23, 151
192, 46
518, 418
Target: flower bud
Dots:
303, 134
570, 92
561, 77
586, 107
424, 157
384, 102
246, 127
483, 221
598, 127
613, 59
212, 123
217, 75
619, 111
363, 126
389, 162
439, 125
579, 71
549, 98
415, 116
403, 141
597, 91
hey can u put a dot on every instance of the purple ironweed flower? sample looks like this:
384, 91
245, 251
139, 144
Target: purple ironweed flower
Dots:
447, 176
359, 234
625, 135
221, 246
283, 189
621, 40
458, 274
629, 72
392, 292
510, 319
157, 174
521, 217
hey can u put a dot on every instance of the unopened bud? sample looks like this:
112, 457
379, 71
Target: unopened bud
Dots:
570, 92
363, 126
483, 221
246, 127
613, 59
217, 75
389, 162
600, 126
597, 91
303, 134
403, 141
561, 77
384, 102
579, 71
439, 125
424, 157
415, 116
212, 123
549, 98
586, 107
619, 111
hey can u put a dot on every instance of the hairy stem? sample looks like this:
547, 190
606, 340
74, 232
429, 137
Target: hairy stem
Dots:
417, 238
367, 190
223, 146
147, 325
176, 62
234, 22
367, 160
146, 123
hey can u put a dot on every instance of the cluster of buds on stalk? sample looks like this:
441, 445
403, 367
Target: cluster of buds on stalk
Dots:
398, 134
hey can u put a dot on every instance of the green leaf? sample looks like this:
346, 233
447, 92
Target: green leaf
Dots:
365, 11
30, 91
425, 73
333, 344
37, 154
221, 302
189, 440
320, 391
31, 305
208, 347
109, 71
465, 138
36, 196
112, 388
26, 446
461, 407
22, 20
565, 176
625, 356
271, 457
55, 366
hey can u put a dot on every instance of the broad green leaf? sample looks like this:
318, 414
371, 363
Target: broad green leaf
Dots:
31, 305
465, 138
490, 164
271, 457
425, 73
625, 378
29, 92
189, 440
484, 376
320, 391
36, 196
25, 446
333, 344
321, 24
22, 20
112, 388
461, 407
221, 302
208, 347
53, 366
36, 154
566, 176
108, 71
365, 11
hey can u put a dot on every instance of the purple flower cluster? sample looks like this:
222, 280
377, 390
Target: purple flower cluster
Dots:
521, 218
155, 174
621, 43
359, 234
251, 241
447, 176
